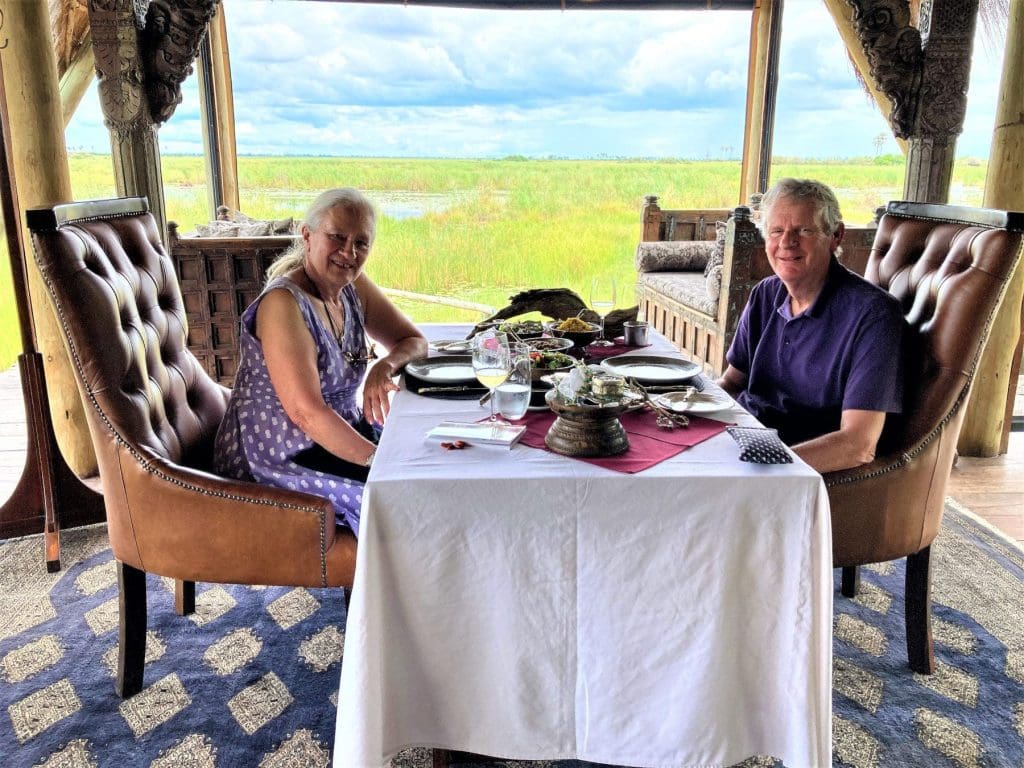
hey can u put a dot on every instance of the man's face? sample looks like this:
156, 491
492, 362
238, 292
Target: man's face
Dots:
798, 249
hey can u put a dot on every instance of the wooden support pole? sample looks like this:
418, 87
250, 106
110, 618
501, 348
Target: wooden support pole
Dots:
40, 165
217, 107
986, 425
762, 78
76, 80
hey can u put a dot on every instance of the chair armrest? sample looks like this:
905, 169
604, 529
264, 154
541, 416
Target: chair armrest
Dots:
191, 524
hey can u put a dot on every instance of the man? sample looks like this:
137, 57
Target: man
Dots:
818, 350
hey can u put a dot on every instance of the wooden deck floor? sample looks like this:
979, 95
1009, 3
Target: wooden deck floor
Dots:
991, 488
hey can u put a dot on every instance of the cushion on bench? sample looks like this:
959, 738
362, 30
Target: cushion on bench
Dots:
688, 288
673, 255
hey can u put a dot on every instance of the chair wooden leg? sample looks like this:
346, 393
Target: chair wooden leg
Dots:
850, 581
919, 612
184, 597
131, 646
442, 758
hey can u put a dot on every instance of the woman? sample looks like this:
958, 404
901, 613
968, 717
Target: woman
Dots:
293, 420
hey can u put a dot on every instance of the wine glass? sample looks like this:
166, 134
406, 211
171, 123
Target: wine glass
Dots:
513, 394
602, 300
491, 362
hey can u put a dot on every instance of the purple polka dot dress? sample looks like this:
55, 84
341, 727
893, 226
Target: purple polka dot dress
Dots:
257, 441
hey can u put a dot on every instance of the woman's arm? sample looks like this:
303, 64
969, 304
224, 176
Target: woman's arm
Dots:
290, 352
386, 324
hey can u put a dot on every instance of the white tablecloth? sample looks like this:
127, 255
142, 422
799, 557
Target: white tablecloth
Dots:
521, 604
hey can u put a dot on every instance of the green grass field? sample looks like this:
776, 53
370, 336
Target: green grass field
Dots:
492, 227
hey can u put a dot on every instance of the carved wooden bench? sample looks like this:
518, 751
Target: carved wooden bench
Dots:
673, 291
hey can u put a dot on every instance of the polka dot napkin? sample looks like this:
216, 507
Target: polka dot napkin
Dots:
760, 446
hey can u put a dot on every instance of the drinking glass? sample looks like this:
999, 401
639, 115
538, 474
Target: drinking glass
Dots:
491, 362
602, 300
513, 395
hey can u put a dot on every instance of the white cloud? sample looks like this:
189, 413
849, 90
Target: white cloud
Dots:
339, 78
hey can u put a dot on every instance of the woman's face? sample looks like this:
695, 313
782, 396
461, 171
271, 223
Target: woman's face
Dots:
337, 250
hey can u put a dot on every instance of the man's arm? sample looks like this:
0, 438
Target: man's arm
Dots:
851, 445
733, 380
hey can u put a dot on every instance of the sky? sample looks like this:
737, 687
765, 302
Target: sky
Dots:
317, 78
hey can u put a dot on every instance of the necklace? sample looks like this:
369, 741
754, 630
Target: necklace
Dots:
366, 354
330, 318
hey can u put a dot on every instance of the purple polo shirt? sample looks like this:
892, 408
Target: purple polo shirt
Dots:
844, 352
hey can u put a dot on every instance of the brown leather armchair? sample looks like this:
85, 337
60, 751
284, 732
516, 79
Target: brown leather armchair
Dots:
949, 267
153, 413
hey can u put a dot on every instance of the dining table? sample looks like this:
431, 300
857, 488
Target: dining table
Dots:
527, 605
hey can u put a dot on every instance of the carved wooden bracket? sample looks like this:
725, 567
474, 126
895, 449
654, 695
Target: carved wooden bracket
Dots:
169, 43
893, 49
144, 50
923, 70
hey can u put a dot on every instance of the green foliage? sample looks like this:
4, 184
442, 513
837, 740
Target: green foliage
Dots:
494, 227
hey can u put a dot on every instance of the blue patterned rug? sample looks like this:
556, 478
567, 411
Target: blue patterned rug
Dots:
252, 678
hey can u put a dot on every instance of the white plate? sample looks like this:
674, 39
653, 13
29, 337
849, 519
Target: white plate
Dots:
651, 369
452, 346
680, 402
445, 369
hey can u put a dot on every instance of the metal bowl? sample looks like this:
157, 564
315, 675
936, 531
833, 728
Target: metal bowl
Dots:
549, 344
579, 338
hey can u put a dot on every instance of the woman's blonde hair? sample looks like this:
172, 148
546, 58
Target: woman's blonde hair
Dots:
348, 198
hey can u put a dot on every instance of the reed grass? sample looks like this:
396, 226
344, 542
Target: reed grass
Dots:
502, 225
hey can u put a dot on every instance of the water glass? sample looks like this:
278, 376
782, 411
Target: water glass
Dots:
512, 397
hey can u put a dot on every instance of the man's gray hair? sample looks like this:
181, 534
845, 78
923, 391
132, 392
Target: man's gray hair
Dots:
346, 198
804, 190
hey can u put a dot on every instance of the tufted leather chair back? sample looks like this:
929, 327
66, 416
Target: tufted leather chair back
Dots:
949, 267
118, 303
120, 306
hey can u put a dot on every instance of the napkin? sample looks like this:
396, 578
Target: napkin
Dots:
760, 446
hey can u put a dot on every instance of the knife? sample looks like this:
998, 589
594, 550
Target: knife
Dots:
463, 388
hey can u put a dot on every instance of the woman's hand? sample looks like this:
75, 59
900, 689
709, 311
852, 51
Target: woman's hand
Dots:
377, 386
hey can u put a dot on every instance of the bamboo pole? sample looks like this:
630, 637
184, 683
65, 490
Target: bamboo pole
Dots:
986, 425
76, 79
40, 166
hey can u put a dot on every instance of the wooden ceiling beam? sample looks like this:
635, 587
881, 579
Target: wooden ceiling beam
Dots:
573, 5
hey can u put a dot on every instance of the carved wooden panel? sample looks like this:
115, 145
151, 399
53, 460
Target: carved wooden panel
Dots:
220, 277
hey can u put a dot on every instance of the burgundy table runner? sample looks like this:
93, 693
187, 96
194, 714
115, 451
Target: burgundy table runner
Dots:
649, 444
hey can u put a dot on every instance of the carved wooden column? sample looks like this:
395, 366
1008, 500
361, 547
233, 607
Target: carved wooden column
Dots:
947, 37
923, 72
144, 50
116, 28
986, 428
